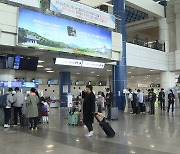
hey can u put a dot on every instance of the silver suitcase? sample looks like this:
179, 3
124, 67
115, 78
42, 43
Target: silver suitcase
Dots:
114, 113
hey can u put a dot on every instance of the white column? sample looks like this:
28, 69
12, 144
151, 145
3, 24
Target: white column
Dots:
167, 81
177, 22
164, 32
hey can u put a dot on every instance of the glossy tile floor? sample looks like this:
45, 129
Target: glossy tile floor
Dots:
135, 134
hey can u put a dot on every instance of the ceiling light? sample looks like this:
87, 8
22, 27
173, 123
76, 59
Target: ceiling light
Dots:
152, 70
50, 146
77, 73
152, 146
40, 66
77, 140
40, 61
97, 75
148, 75
132, 76
109, 70
129, 72
133, 152
92, 72
49, 151
132, 67
49, 71
129, 143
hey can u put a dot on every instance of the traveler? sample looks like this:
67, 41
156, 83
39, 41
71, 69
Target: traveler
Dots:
44, 111
7, 109
133, 101
140, 96
18, 103
32, 109
109, 102
100, 102
89, 110
171, 98
161, 98
152, 100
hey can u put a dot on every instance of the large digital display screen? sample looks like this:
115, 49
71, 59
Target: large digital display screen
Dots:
42, 31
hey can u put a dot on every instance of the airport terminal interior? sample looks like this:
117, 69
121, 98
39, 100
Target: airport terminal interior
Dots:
52, 52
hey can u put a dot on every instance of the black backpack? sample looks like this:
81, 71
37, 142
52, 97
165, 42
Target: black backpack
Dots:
3, 101
135, 98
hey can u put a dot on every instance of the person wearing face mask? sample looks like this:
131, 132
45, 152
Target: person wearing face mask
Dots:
171, 98
109, 102
89, 110
7, 109
161, 98
100, 102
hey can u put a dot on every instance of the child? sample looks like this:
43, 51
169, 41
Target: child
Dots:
45, 112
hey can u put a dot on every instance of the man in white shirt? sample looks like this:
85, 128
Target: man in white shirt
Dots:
18, 103
140, 96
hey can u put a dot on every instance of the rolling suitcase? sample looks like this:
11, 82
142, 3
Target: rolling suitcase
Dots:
114, 113
107, 128
73, 118
105, 125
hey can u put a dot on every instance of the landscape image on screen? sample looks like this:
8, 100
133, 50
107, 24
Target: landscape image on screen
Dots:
42, 31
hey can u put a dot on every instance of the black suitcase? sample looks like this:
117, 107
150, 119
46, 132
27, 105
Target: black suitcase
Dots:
107, 128
144, 108
24, 120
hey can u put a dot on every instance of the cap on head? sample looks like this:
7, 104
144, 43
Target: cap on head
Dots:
152, 89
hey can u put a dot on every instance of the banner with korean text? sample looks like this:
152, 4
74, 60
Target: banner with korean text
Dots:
83, 12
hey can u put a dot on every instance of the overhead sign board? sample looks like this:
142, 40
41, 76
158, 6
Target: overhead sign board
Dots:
70, 62
33, 3
80, 63
93, 64
83, 12
39, 30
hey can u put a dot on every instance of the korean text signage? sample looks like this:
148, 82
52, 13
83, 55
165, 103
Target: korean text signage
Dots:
83, 12
33, 3
81, 63
48, 32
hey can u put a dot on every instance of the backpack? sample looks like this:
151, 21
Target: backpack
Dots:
3, 101
44, 108
135, 98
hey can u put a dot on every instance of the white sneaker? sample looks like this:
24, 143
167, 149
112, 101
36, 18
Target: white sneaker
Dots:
6, 126
90, 134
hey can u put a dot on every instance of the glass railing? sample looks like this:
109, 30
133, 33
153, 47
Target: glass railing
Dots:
156, 44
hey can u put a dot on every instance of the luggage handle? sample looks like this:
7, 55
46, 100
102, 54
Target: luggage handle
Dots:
100, 115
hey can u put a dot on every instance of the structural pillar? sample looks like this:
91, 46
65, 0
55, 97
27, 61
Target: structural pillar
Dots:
177, 22
168, 81
64, 87
119, 71
164, 33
